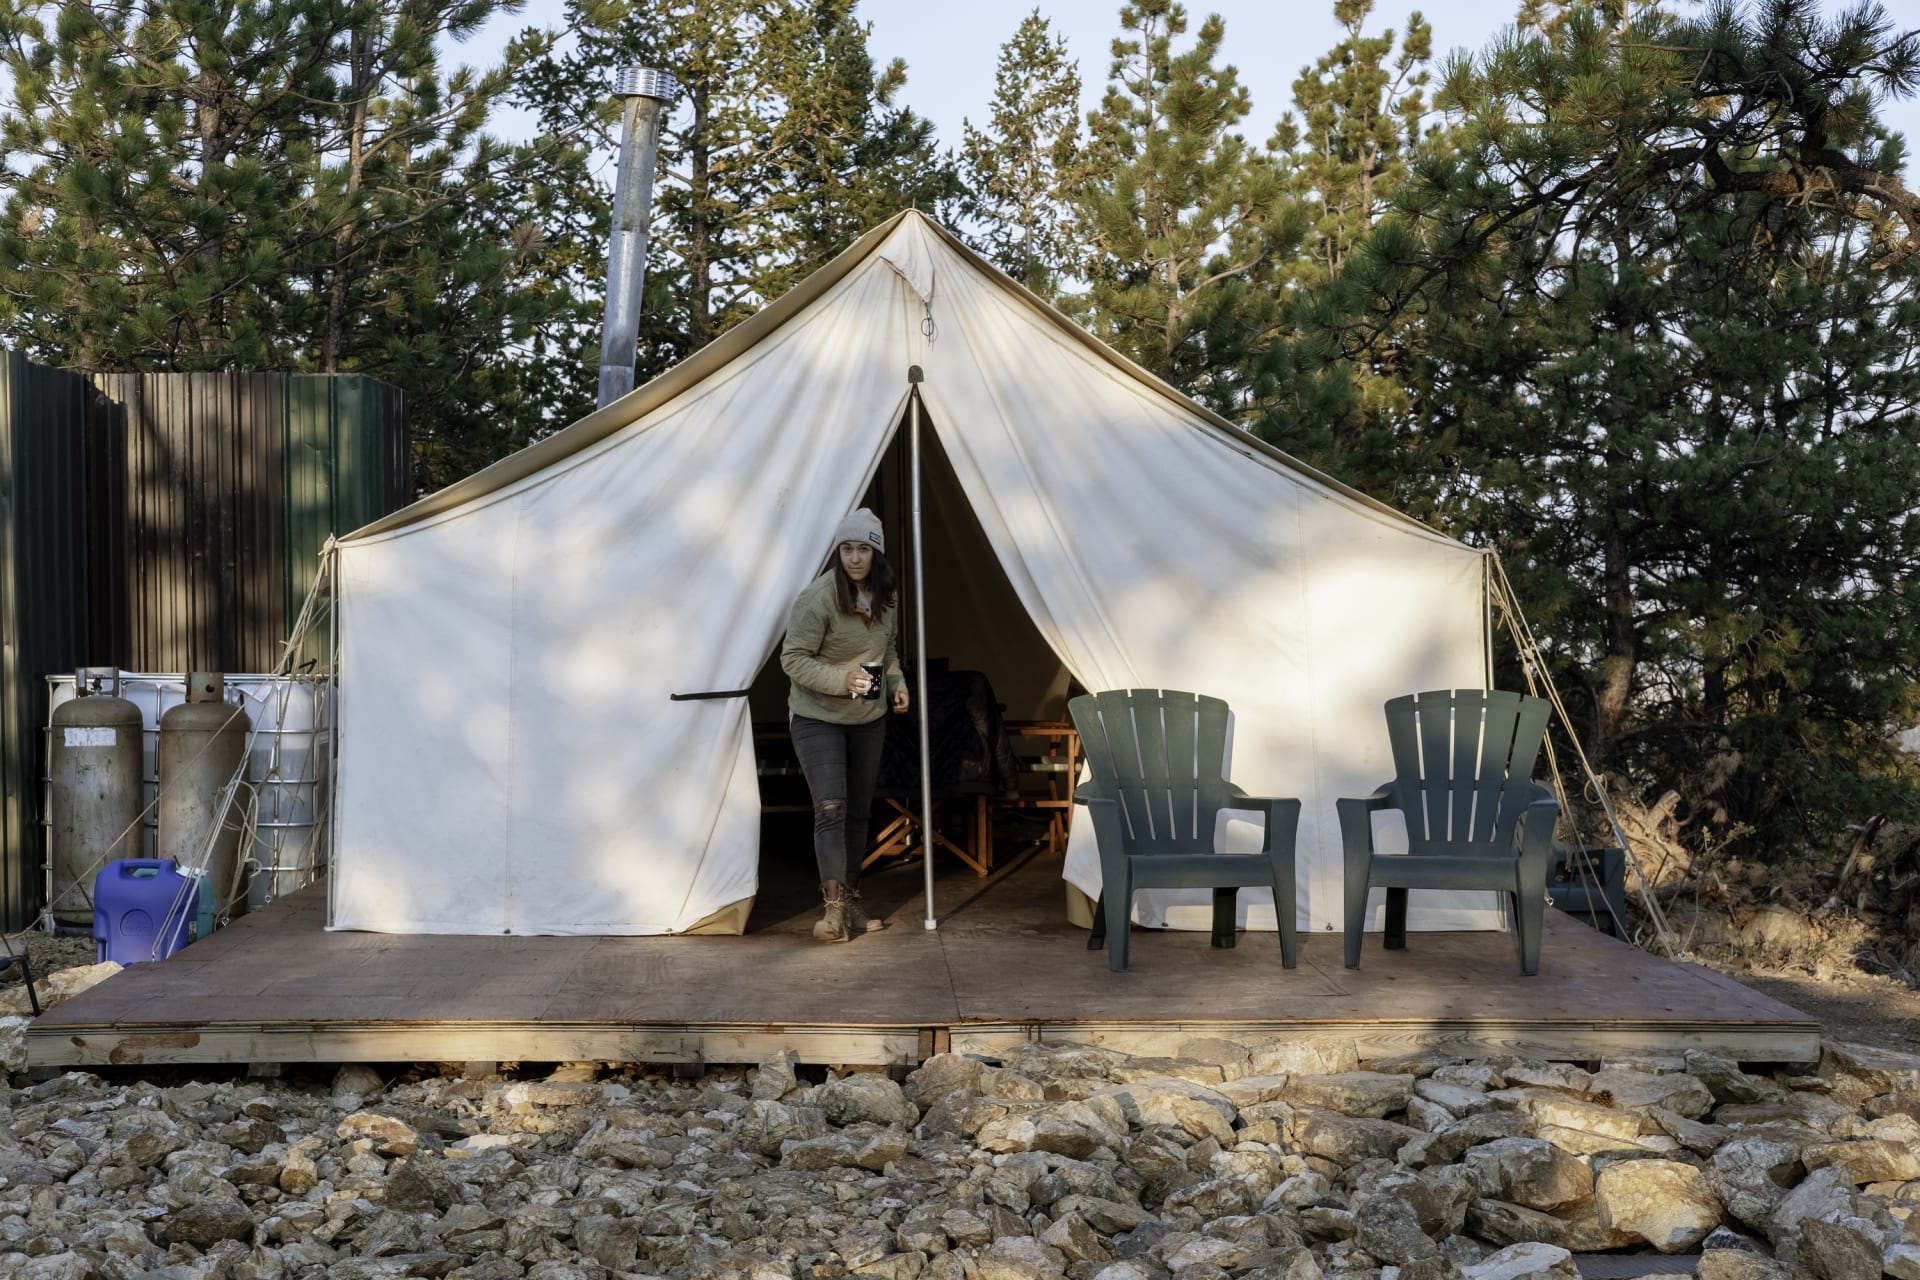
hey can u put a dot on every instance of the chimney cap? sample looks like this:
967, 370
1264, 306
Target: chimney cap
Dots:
644, 82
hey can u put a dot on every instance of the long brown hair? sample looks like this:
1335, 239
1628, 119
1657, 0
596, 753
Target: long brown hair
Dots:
880, 583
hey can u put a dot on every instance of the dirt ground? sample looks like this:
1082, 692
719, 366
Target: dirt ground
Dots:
1863, 1008
46, 954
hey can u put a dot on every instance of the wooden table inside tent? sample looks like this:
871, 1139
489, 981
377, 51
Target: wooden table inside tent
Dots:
1048, 753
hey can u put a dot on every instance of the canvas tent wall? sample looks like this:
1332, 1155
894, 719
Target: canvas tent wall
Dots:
510, 761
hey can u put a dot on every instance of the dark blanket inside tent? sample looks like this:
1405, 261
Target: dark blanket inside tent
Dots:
967, 741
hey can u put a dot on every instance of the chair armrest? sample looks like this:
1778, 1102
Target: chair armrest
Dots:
1537, 821
1283, 819
1356, 826
1383, 797
1091, 793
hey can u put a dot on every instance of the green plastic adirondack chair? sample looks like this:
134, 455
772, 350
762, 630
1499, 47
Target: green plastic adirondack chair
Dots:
1463, 762
1157, 759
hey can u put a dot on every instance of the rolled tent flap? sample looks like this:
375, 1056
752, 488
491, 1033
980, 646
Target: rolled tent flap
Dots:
509, 757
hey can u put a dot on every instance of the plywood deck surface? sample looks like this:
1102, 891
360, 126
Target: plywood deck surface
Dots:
1004, 965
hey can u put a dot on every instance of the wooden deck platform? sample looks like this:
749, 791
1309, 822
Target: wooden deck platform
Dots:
1004, 966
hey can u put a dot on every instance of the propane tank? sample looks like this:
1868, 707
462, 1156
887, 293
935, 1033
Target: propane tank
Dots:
95, 805
202, 743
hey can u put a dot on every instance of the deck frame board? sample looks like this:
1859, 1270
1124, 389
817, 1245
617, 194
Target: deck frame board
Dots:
1003, 968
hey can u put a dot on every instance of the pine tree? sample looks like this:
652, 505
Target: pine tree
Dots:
1361, 121
156, 156
852, 155
1665, 368
1362, 110
712, 229
781, 147
1180, 215
292, 185
1015, 171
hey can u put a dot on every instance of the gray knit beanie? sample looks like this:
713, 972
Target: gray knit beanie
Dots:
861, 526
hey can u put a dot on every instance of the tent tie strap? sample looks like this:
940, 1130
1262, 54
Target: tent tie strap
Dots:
709, 696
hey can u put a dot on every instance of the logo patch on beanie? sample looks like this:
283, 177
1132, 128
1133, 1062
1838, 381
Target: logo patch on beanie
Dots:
874, 537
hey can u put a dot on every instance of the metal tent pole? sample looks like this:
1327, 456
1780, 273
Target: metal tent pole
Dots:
330, 568
914, 377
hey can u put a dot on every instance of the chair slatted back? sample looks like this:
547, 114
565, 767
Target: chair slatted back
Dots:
1463, 766
1162, 754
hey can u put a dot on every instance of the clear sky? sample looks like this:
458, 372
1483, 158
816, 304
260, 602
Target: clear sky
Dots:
950, 46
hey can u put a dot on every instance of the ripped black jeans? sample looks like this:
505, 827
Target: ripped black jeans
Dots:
842, 763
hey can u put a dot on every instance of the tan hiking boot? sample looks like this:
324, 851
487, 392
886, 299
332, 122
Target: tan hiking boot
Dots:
858, 921
832, 924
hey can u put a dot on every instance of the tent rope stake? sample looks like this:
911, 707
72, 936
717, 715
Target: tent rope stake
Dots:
1533, 663
914, 377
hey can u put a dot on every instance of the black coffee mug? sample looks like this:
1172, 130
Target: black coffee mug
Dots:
875, 683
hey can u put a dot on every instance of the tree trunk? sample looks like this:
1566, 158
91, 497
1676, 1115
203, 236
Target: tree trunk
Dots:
1614, 696
699, 220
212, 122
343, 241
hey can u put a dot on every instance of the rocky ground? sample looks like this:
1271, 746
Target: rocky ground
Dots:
1272, 1161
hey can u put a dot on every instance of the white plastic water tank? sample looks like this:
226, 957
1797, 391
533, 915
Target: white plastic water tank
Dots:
287, 764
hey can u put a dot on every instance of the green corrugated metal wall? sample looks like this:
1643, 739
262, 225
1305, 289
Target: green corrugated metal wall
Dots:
346, 465
145, 523
43, 595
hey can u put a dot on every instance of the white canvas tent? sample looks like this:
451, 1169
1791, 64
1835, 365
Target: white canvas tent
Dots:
509, 760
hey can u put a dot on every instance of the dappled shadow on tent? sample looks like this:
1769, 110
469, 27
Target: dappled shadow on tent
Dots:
519, 754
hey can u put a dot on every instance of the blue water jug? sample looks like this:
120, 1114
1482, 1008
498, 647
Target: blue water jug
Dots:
138, 900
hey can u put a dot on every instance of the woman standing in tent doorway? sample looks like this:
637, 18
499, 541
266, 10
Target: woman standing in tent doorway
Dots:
842, 643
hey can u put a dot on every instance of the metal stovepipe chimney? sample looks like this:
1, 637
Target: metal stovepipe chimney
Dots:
645, 95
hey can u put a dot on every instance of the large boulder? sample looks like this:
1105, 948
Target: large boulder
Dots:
1070, 1130
946, 1073
769, 1125
1303, 1057
1841, 1250
1176, 1101
1640, 1090
1345, 1139
776, 1076
57, 988
1725, 1080
1388, 1228
1531, 1172
1810, 1110
1247, 1091
1076, 1240
1525, 1261
1351, 1093
390, 1137
206, 1222
1744, 1264
1449, 1142
1562, 1110
1669, 1205
1880, 1070
13, 1042
1018, 1258
1455, 1099
865, 1095
1871, 1160
1825, 1195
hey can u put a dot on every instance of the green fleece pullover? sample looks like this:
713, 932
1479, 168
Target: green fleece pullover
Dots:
824, 644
